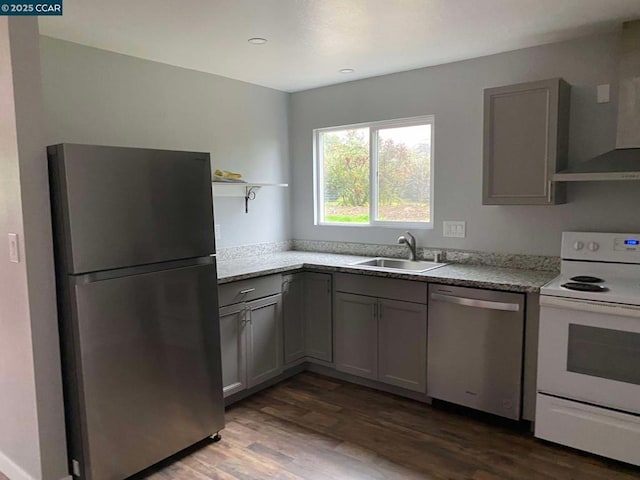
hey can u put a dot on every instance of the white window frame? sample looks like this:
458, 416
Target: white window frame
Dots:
374, 127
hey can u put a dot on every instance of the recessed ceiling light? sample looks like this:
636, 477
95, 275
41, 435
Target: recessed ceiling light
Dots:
346, 70
257, 41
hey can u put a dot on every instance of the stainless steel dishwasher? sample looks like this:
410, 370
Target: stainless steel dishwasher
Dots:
475, 346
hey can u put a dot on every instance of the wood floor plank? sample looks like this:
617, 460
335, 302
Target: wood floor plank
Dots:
311, 427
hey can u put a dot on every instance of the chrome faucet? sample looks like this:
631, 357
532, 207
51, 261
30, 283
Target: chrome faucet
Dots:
411, 243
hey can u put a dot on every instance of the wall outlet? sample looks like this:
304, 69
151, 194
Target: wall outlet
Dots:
454, 229
14, 252
216, 230
603, 93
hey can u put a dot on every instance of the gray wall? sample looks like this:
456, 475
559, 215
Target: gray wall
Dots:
453, 93
32, 438
98, 97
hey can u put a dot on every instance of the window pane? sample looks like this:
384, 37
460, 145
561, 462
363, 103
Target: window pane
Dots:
345, 164
404, 174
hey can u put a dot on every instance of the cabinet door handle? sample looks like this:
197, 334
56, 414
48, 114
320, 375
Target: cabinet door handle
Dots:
550, 191
247, 290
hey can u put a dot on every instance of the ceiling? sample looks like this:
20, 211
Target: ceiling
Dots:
309, 41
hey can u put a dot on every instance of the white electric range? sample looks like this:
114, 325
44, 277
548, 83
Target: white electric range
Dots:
588, 392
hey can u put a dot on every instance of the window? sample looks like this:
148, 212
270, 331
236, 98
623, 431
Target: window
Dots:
375, 174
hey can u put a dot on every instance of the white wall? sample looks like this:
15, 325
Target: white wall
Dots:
32, 438
453, 93
97, 97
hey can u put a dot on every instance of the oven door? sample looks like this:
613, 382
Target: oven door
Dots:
590, 351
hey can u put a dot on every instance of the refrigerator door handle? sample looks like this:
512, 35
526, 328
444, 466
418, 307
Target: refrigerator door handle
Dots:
131, 271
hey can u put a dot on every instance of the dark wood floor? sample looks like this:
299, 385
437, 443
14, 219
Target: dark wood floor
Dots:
311, 427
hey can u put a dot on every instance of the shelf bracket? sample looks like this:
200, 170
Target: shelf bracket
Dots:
250, 194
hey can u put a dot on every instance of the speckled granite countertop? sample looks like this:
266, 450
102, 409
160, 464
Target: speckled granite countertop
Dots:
508, 279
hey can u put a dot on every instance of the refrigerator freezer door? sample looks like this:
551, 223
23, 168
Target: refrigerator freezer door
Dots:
118, 207
149, 374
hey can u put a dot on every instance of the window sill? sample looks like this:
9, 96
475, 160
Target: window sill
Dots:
397, 226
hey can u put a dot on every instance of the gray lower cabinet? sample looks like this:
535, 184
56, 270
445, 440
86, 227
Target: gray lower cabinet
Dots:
307, 321
381, 339
293, 317
264, 344
250, 332
525, 142
402, 344
233, 348
318, 333
356, 340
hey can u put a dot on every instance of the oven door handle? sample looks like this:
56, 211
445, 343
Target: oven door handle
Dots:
588, 306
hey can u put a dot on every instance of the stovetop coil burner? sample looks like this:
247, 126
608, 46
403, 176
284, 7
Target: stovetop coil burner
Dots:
586, 279
584, 287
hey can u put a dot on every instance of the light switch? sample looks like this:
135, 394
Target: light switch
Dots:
603, 93
454, 229
14, 252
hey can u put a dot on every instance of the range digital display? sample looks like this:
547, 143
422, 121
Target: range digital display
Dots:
632, 242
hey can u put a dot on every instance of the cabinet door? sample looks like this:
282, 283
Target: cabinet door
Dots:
318, 316
264, 339
356, 328
402, 344
293, 317
525, 142
233, 346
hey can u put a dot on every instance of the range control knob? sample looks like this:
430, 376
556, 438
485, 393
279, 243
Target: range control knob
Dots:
578, 245
593, 246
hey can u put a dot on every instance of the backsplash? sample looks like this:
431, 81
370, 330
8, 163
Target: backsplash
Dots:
468, 257
241, 251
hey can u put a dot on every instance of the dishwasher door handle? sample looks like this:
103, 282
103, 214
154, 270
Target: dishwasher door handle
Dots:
473, 302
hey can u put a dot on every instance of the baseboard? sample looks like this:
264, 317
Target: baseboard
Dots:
11, 470
290, 372
332, 372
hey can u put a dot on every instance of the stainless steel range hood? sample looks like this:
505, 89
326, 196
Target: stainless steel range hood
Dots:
623, 163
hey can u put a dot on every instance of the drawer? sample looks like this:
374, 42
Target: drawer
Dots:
247, 290
597, 430
392, 288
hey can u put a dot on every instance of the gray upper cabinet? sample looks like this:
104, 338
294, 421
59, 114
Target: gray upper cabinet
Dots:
318, 335
525, 142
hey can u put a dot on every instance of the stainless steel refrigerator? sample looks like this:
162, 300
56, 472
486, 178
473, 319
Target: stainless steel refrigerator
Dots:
137, 300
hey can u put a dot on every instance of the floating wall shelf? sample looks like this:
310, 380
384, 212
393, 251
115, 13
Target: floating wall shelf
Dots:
237, 189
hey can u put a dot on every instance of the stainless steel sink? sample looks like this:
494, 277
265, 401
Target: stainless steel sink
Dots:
397, 264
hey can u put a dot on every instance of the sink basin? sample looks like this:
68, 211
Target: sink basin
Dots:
397, 264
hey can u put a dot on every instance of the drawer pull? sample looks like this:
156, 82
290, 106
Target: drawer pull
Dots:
247, 290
